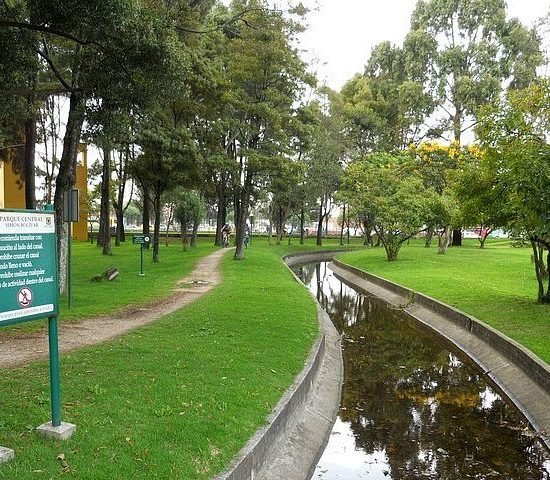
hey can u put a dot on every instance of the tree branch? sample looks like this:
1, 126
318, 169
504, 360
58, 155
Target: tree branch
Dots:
48, 30
46, 56
233, 19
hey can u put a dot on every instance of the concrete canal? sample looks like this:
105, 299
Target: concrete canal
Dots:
410, 407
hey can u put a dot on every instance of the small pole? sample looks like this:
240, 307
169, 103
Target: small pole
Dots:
54, 372
69, 217
69, 268
141, 268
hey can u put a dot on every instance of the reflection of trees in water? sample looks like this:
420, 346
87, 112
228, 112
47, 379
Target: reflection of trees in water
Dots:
405, 395
305, 272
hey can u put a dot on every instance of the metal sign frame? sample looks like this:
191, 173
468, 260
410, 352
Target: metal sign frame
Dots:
28, 252
141, 240
28, 266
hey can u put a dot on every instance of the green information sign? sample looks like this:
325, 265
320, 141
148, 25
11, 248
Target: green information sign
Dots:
140, 239
28, 266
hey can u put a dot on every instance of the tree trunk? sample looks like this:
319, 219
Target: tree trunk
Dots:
146, 214
242, 214
280, 224
391, 251
156, 227
367, 228
119, 226
482, 240
444, 240
196, 223
429, 237
320, 226
544, 268
29, 161
221, 216
391, 245
302, 215
63, 255
66, 174
343, 223
121, 229
184, 239
104, 236
540, 270
166, 235
119, 208
270, 224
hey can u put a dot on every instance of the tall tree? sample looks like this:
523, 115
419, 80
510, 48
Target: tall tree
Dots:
104, 234
476, 52
97, 53
436, 165
267, 78
387, 105
168, 159
514, 134
397, 201
326, 158
189, 212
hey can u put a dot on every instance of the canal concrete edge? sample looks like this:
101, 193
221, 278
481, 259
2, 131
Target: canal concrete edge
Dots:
518, 373
297, 431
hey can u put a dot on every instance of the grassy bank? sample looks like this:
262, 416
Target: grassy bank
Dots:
92, 298
175, 399
496, 284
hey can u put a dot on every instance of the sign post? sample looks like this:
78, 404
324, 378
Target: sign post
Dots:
71, 214
29, 289
141, 240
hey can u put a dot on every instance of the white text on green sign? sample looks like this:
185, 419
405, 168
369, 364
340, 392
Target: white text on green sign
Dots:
28, 266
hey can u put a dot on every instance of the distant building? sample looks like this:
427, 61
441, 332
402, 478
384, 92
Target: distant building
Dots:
12, 190
12, 187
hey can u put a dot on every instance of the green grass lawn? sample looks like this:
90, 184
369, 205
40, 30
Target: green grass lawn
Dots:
92, 298
496, 284
177, 398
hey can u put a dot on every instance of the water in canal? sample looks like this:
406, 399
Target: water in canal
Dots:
410, 408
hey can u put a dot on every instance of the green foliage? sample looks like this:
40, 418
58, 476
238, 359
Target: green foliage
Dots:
475, 49
328, 150
18, 63
189, 211
517, 168
386, 106
265, 79
397, 203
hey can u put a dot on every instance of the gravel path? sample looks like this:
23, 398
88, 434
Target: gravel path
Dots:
21, 349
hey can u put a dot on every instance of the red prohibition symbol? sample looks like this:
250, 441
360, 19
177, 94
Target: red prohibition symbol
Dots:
24, 297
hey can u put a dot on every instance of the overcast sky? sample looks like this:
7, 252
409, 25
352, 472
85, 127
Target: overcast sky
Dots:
342, 33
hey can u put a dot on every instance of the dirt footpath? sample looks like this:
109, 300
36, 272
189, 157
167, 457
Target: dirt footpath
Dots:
18, 350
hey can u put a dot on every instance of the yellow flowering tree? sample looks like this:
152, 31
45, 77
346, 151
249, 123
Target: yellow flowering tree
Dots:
434, 163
